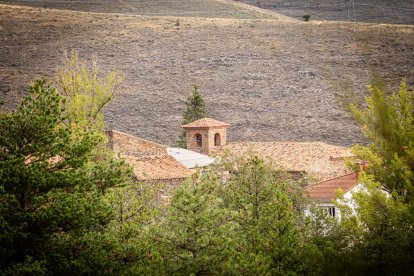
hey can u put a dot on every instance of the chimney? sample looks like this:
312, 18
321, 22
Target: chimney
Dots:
362, 167
110, 134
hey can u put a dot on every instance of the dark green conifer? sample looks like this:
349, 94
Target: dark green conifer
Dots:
50, 188
195, 109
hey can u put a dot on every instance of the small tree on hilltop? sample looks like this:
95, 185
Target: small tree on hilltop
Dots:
195, 109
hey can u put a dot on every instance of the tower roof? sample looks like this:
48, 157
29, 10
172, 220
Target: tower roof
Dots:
206, 123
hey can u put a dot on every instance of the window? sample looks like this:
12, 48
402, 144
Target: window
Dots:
198, 139
331, 211
217, 140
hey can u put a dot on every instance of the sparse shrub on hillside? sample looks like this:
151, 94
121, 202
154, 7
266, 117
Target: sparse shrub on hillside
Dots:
306, 17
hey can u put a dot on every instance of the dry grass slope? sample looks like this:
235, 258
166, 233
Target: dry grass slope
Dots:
187, 8
271, 79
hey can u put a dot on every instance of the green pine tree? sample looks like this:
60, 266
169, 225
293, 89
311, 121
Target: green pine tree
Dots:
196, 236
195, 109
269, 235
50, 190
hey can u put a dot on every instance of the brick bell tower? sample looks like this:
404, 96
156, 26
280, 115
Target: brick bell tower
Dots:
205, 135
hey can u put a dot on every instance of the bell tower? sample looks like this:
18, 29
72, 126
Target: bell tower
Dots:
205, 135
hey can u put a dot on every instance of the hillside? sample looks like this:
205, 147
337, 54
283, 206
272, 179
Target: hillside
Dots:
190, 8
270, 78
372, 11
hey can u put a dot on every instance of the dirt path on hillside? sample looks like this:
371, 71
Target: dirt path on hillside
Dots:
257, 9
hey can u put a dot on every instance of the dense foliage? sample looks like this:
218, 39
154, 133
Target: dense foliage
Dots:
388, 122
383, 219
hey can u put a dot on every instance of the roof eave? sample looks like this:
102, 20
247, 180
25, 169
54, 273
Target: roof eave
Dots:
204, 127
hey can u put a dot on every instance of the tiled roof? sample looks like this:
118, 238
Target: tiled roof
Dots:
325, 191
320, 160
157, 167
206, 122
149, 160
133, 146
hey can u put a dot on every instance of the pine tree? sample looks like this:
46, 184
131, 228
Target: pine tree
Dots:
195, 109
50, 190
269, 234
196, 238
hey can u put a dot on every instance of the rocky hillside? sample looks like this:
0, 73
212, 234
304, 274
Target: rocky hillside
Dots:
270, 78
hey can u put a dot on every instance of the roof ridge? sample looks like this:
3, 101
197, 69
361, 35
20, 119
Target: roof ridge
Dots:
157, 167
143, 157
136, 137
335, 178
205, 122
290, 142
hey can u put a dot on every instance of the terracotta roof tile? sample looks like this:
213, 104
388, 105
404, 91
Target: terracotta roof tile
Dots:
326, 190
157, 167
134, 146
149, 160
320, 160
206, 122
